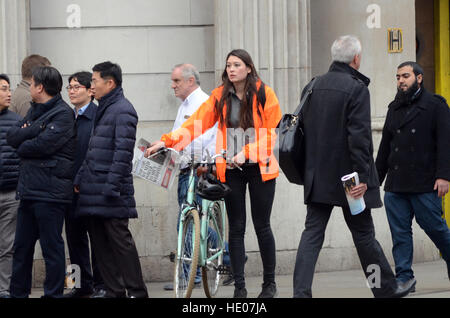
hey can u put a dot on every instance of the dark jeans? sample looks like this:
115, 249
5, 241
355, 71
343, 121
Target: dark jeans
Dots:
261, 199
77, 230
368, 249
401, 208
43, 221
117, 258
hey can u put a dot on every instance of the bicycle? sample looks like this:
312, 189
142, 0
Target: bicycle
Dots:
201, 237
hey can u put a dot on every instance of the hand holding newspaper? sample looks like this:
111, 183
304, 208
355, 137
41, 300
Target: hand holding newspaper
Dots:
159, 169
356, 205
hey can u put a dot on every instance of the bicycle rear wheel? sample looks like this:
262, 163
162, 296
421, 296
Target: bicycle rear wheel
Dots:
187, 257
215, 248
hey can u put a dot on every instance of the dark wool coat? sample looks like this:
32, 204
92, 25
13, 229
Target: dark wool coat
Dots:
105, 180
415, 146
338, 137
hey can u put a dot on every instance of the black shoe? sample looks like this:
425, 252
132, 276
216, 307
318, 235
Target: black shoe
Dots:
269, 290
412, 290
240, 292
404, 288
78, 293
99, 293
405, 284
229, 280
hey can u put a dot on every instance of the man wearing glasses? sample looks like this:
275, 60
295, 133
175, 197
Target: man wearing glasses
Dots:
91, 284
9, 174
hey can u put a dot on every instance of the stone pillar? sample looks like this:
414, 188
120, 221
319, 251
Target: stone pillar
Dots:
14, 37
276, 33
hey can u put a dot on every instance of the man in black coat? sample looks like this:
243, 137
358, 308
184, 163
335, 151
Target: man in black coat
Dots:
91, 283
45, 142
415, 155
105, 185
338, 141
9, 174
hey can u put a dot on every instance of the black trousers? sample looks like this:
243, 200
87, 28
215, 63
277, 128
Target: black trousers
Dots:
370, 253
261, 199
43, 221
77, 230
117, 258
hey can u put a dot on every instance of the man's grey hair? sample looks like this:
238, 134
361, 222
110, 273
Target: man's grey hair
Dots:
187, 71
345, 48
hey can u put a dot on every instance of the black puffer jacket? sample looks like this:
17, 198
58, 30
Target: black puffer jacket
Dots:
47, 151
105, 180
9, 161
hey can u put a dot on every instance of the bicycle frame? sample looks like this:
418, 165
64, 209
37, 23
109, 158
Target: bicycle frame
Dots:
205, 212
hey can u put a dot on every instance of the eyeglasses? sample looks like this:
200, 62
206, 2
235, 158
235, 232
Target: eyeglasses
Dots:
5, 89
75, 87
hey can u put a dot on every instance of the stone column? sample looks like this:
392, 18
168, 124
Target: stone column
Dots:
14, 37
276, 33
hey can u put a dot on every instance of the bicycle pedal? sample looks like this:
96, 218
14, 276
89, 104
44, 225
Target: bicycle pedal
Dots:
224, 270
172, 257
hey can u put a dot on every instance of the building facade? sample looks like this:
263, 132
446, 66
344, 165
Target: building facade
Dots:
289, 41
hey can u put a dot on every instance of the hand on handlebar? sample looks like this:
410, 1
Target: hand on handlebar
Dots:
201, 170
154, 147
237, 161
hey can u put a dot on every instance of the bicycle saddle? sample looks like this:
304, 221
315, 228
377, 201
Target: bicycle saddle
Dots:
209, 188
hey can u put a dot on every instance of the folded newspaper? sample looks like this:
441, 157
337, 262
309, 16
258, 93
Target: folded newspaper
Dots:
356, 205
159, 169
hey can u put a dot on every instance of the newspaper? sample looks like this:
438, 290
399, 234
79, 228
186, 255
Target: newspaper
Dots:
159, 169
356, 205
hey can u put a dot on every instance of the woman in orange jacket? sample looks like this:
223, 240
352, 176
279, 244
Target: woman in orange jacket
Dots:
248, 112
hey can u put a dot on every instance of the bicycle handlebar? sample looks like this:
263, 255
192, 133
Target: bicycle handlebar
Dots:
208, 161
163, 150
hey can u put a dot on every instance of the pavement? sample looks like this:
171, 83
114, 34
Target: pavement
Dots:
432, 282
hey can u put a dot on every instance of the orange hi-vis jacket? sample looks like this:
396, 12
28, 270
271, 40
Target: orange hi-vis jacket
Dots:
260, 151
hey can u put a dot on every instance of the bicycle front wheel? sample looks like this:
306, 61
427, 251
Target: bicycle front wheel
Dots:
215, 249
187, 256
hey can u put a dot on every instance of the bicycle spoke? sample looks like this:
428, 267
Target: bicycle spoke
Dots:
215, 248
187, 257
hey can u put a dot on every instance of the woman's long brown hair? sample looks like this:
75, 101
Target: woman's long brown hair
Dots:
246, 113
